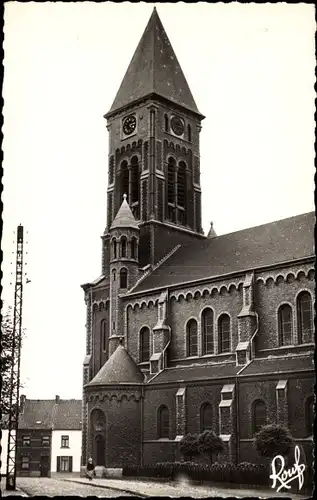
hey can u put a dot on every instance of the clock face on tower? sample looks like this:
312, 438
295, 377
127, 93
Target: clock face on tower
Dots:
177, 125
129, 125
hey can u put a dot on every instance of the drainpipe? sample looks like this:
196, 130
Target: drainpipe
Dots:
256, 331
237, 421
237, 386
165, 348
142, 426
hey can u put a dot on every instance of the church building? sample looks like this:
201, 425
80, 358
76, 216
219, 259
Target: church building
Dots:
188, 332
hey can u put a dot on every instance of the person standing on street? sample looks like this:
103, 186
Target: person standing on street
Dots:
90, 469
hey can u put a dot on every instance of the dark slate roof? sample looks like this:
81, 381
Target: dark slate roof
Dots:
196, 372
124, 217
47, 414
273, 243
68, 414
154, 69
120, 368
281, 365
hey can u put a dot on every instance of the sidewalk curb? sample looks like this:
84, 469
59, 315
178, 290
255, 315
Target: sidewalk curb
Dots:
124, 490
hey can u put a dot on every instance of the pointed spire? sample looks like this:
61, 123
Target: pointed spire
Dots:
124, 217
212, 232
154, 69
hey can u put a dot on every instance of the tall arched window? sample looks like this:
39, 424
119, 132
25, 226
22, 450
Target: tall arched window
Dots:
144, 344
258, 415
135, 187
134, 248
207, 328
114, 275
163, 422
304, 318
104, 334
309, 415
166, 123
123, 246
191, 337
206, 417
189, 133
285, 325
124, 177
224, 334
114, 248
123, 278
181, 193
171, 188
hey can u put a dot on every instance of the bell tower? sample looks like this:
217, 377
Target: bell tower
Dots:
154, 158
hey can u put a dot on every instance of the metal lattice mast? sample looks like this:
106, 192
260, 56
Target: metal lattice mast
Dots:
15, 368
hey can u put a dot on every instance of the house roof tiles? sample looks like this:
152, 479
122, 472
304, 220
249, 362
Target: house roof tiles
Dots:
48, 414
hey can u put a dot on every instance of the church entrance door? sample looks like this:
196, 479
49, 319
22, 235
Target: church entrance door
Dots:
100, 450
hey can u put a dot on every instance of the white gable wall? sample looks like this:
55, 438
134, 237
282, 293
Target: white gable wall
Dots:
74, 449
4, 450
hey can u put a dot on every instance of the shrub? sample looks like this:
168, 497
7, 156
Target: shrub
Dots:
188, 446
273, 440
209, 443
244, 473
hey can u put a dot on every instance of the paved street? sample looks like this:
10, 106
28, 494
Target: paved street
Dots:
117, 487
52, 487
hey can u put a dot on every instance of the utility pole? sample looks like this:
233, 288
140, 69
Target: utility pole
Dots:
15, 368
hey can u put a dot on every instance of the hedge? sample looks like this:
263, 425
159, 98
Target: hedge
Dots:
243, 473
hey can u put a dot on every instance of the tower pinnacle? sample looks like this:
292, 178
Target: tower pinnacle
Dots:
154, 70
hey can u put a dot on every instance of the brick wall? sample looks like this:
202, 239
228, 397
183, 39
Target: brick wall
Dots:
123, 435
181, 310
270, 295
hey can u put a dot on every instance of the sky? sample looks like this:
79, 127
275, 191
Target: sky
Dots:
250, 68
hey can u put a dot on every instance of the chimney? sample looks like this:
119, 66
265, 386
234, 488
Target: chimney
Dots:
22, 402
57, 399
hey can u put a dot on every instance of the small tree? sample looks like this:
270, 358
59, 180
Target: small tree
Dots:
210, 444
188, 446
7, 343
272, 440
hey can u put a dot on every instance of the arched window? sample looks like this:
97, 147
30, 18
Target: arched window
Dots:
134, 249
123, 247
114, 248
191, 335
258, 415
181, 193
166, 123
123, 278
207, 328
309, 415
224, 334
135, 187
124, 176
171, 188
104, 334
206, 417
114, 275
285, 325
163, 423
144, 344
304, 318
189, 133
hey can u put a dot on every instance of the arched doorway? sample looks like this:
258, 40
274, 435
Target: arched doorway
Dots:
98, 434
100, 450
